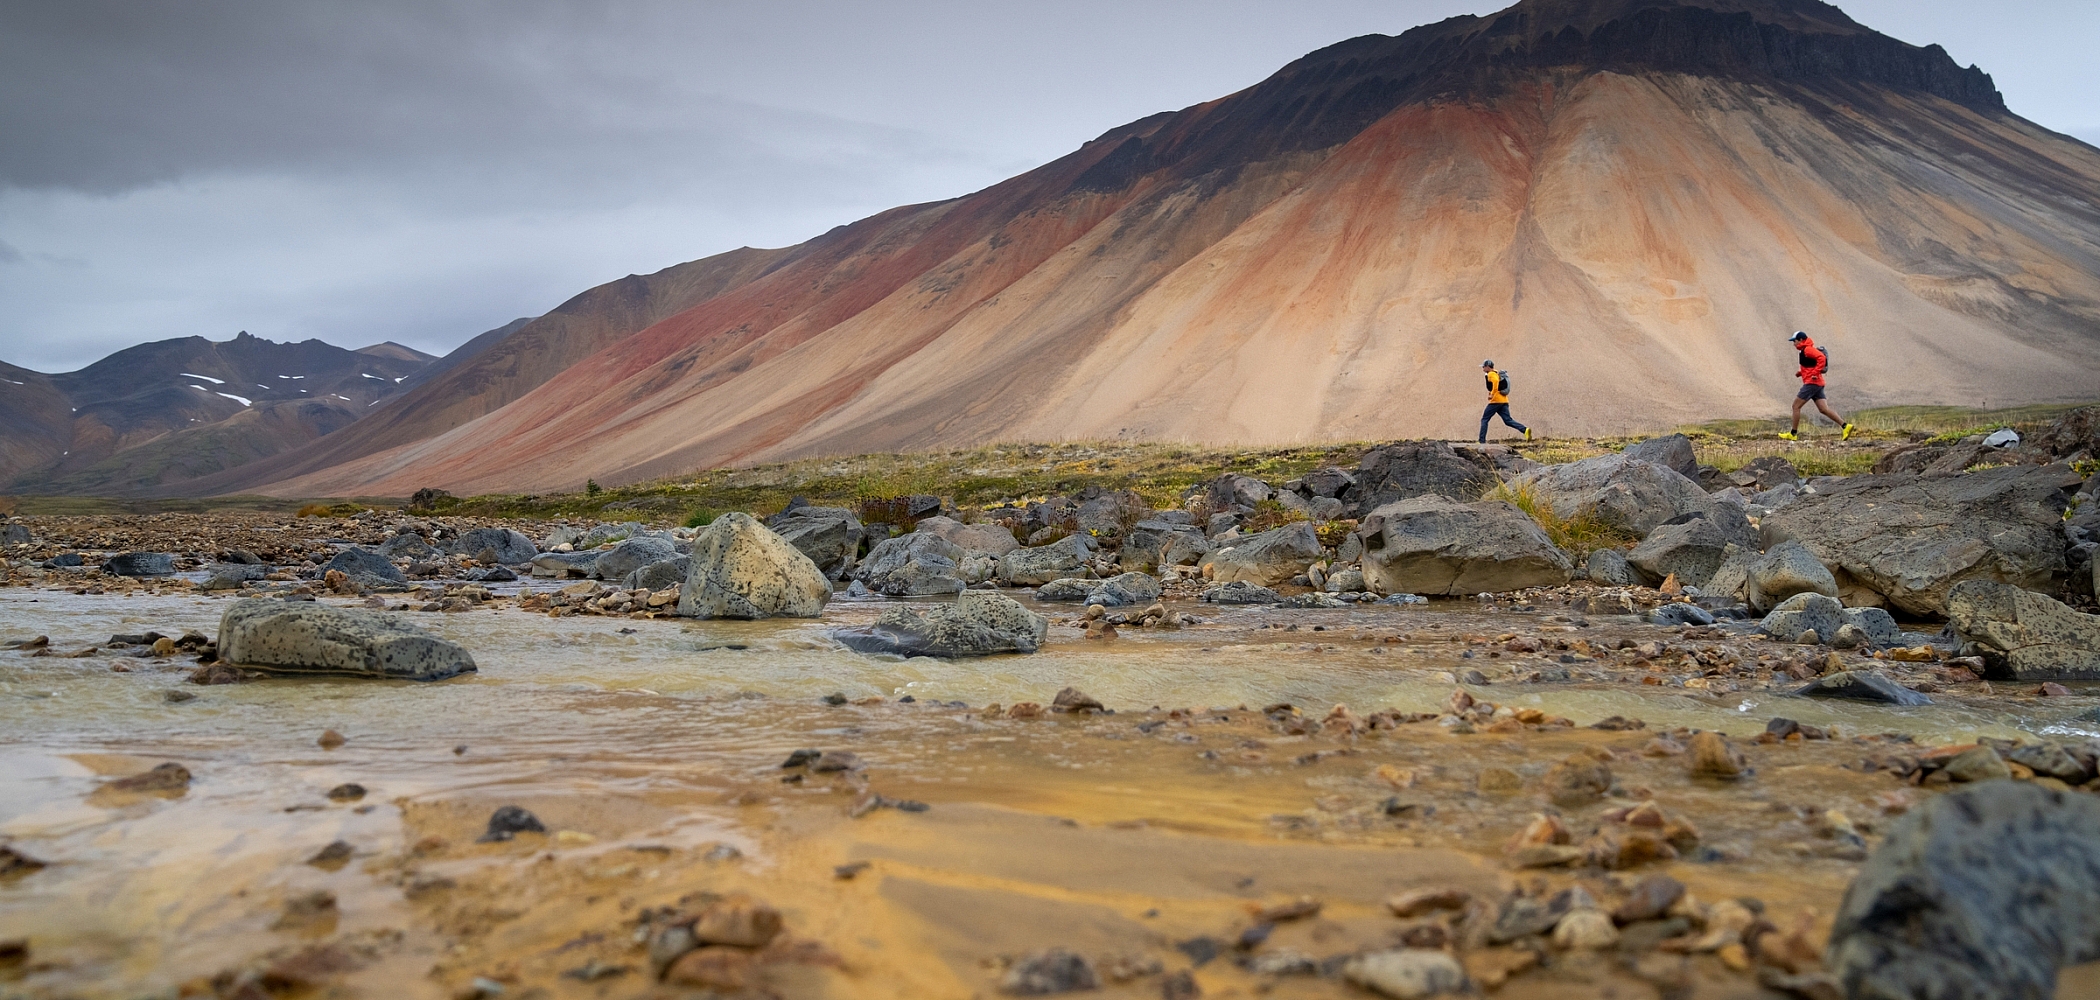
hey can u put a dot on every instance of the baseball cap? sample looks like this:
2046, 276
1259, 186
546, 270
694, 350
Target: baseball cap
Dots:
1490, 363
1798, 335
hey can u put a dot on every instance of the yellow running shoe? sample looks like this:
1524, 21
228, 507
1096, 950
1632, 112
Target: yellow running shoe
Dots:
1789, 436
1527, 433
1848, 433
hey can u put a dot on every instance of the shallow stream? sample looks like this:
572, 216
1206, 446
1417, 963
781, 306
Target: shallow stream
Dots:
646, 745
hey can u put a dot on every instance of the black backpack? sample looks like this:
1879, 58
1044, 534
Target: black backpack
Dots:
1505, 382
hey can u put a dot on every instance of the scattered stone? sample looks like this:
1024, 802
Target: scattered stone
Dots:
14, 864
140, 564
168, 777
509, 547
718, 968
1679, 614
1690, 551
1431, 545
740, 569
1036, 565
1072, 699
1608, 567
738, 921
1577, 781
330, 739
1712, 757
1786, 569
1048, 972
1811, 612
829, 536
349, 791
920, 564
1978, 763
977, 623
2025, 636
1984, 892
1623, 492
334, 856
308, 911
1649, 899
1239, 592
308, 638
1585, 930
1499, 781
176, 696
509, 821
1420, 901
1407, 973
1859, 685
1265, 559
1672, 451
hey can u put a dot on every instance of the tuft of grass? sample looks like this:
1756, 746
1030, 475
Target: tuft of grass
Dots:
1333, 533
1578, 535
701, 517
344, 509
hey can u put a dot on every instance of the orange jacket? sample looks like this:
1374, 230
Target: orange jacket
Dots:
1813, 362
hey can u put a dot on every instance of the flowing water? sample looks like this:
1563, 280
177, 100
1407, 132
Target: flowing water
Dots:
651, 750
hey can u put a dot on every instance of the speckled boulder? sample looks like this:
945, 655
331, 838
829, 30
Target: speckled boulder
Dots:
509, 547
300, 637
741, 569
978, 623
2023, 635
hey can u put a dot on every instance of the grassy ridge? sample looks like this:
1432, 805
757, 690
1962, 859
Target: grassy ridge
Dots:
1160, 472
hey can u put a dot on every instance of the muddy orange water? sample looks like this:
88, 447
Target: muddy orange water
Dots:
651, 750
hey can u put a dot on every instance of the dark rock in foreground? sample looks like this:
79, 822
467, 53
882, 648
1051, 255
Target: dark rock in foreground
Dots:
140, 564
310, 638
1981, 894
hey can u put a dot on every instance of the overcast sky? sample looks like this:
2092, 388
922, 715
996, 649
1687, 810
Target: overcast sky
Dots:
421, 171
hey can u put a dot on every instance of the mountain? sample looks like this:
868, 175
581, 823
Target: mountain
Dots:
1627, 203
167, 411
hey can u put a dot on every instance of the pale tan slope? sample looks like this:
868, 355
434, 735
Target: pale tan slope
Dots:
1633, 247
1639, 268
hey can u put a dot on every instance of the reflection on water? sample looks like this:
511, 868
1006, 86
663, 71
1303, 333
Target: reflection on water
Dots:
673, 732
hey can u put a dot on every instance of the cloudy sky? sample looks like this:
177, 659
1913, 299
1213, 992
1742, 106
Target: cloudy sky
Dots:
421, 172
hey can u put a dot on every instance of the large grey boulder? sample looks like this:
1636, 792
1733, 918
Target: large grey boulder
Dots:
1608, 568
1979, 894
1769, 472
16, 533
603, 533
1691, 549
992, 539
1909, 539
741, 569
920, 564
304, 637
1121, 590
1731, 580
140, 564
977, 623
829, 536
1241, 593
1266, 559
561, 565
1035, 565
1788, 568
1824, 615
1146, 544
1435, 545
1672, 451
1410, 469
1234, 490
1110, 513
2023, 635
365, 567
1861, 685
407, 545
1625, 493
230, 576
509, 547
633, 554
1327, 482
659, 575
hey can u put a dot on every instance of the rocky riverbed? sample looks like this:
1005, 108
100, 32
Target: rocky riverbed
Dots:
1065, 745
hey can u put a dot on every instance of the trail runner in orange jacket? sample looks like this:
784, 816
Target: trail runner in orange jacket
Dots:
1814, 364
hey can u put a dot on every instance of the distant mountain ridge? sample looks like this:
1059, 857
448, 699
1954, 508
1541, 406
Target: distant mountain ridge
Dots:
1627, 202
162, 413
